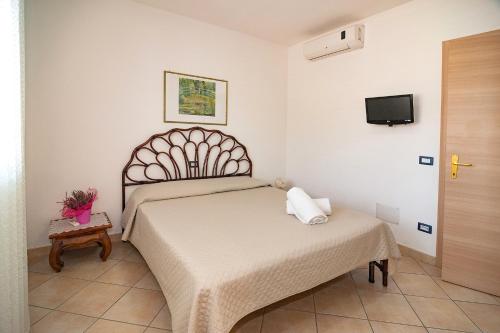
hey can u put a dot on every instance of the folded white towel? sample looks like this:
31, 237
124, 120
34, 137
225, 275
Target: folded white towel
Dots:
322, 203
305, 208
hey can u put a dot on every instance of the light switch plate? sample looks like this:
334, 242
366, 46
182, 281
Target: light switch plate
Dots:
426, 160
425, 227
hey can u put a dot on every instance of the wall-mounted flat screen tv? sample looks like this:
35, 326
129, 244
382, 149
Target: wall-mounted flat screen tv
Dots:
389, 110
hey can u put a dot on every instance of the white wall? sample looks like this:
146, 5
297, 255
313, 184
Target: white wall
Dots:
94, 91
332, 151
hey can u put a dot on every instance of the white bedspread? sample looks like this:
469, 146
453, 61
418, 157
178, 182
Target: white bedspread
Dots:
221, 256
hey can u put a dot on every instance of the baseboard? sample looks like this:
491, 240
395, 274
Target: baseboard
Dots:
417, 255
45, 250
115, 237
38, 252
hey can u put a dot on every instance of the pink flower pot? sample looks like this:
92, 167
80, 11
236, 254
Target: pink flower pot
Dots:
84, 217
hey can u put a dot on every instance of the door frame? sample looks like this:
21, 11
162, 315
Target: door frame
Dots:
443, 167
442, 152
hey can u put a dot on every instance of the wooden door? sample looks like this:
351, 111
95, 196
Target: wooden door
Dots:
470, 203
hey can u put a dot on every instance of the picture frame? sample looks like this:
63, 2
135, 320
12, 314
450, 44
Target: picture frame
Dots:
193, 99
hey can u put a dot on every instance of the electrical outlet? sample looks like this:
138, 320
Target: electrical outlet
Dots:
425, 227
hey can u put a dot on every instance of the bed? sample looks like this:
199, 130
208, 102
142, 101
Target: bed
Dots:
220, 243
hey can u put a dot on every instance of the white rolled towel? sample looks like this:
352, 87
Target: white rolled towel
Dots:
305, 208
322, 203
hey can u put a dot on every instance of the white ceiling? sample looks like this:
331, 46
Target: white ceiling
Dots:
282, 21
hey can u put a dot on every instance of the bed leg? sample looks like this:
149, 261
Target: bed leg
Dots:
371, 272
383, 265
385, 271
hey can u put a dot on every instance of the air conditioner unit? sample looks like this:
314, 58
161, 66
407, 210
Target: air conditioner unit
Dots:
339, 41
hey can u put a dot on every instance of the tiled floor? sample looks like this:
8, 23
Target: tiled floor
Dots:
121, 295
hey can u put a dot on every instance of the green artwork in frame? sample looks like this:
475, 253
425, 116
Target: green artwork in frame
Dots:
192, 99
196, 97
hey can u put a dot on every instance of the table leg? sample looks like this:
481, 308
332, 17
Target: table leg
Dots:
106, 245
55, 256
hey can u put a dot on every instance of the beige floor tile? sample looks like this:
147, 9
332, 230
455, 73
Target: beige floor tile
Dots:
36, 279
87, 267
436, 330
94, 299
107, 326
55, 291
441, 313
334, 324
360, 277
250, 324
155, 330
339, 301
77, 254
37, 313
345, 281
134, 256
288, 321
148, 282
418, 285
379, 327
431, 269
62, 322
137, 306
124, 273
40, 264
119, 250
301, 302
486, 316
409, 265
389, 308
459, 293
35, 257
162, 319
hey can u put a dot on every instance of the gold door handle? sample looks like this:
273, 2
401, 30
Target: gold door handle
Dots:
455, 164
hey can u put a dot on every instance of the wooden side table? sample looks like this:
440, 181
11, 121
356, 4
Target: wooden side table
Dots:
64, 235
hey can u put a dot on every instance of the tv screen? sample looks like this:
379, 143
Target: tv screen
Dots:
389, 110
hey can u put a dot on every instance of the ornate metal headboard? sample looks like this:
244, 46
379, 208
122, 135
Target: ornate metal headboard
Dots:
180, 154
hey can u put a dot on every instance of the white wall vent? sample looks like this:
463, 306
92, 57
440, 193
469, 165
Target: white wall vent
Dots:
343, 40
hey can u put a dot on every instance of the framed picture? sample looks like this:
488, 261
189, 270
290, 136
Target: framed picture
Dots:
194, 99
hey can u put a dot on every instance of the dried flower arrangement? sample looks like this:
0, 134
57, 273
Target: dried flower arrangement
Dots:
79, 205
